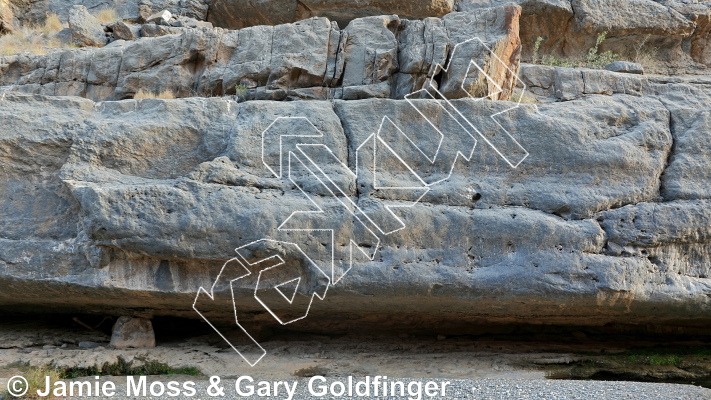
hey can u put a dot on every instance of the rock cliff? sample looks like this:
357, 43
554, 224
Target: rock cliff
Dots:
591, 206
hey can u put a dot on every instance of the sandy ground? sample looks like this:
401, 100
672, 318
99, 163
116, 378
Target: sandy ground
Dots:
298, 355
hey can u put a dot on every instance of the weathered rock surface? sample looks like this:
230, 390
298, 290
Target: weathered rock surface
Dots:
677, 32
306, 59
85, 28
6, 17
132, 333
625, 66
590, 207
699, 12
557, 83
124, 31
688, 173
236, 14
576, 224
34, 12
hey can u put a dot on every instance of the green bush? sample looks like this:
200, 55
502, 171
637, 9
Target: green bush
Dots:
125, 368
665, 360
241, 90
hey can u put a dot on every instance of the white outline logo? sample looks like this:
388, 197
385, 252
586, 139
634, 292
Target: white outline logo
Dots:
281, 293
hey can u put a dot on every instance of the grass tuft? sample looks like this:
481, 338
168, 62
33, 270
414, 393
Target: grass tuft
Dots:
241, 90
52, 24
107, 16
36, 379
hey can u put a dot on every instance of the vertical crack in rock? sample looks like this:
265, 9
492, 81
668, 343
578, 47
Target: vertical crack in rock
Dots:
670, 154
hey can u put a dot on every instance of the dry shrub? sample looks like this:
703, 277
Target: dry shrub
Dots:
36, 377
52, 24
39, 39
646, 55
107, 15
145, 94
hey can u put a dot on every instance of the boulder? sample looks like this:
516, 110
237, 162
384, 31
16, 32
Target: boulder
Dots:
153, 30
64, 36
88, 345
187, 22
591, 207
131, 332
6, 17
85, 28
160, 18
124, 31
626, 67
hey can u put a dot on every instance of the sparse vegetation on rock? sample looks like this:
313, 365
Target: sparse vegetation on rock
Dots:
593, 58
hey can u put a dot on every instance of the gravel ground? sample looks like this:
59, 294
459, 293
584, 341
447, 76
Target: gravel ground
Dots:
494, 389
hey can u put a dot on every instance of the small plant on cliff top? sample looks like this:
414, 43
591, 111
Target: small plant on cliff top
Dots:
241, 90
536, 47
52, 24
107, 16
593, 58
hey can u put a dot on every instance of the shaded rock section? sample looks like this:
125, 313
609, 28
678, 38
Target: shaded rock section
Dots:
130, 332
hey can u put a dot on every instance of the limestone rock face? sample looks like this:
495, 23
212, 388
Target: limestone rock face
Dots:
699, 12
677, 30
310, 59
580, 222
34, 12
625, 66
590, 207
631, 16
85, 28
